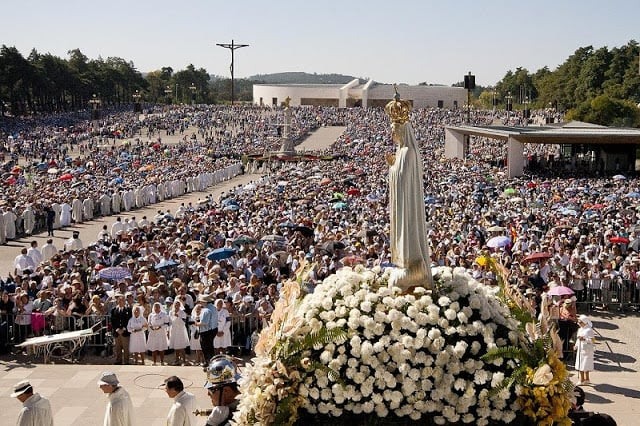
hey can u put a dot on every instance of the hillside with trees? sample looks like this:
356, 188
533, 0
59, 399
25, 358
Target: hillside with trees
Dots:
599, 86
301, 78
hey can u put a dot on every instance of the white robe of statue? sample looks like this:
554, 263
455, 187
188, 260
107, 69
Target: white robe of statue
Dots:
408, 233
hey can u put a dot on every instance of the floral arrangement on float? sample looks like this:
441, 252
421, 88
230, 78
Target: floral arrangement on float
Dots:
541, 380
358, 352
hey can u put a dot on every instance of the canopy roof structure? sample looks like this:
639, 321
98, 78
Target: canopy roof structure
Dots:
570, 133
560, 133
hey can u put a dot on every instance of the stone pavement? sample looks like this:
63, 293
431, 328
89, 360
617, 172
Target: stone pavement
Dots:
616, 381
76, 399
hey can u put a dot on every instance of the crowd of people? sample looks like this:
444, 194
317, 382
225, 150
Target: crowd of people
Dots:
325, 214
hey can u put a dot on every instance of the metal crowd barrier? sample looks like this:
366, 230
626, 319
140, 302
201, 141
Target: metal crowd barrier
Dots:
244, 330
13, 331
622, 295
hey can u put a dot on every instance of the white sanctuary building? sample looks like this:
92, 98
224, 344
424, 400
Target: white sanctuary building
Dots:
358, 94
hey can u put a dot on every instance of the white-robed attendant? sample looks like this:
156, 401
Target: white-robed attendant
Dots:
87, 209
116, 201
178, 337
194, 343
105, 205
76, 210
65, 215
36, 410
3, 236
10, 224
585, 349
28, 220
222, 340
157, 341
57, 209
119, 411
137, 340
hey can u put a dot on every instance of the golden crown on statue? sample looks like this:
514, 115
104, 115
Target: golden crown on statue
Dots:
398, 109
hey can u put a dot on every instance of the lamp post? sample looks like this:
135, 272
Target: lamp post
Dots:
95, 107
232, 47
136, 101
508, 105
494, 101
526, 113
167, 94
469, 84
193, 93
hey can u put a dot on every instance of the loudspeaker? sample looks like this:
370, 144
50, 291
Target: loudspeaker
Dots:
469, 82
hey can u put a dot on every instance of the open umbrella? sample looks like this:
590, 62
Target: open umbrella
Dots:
196, 245
619, 240
114, 273
634, 245
340, 205
353, 192
65, 177
619, 177
560, 290
244, 240
221, 253
331, 246
509, 192
499, 241
165, 264
325, 181
52, 171
304, 230
535, 257
277, 241
429, 200
496, 228
351, 260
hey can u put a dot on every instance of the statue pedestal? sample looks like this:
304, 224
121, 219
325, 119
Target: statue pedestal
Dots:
409, 278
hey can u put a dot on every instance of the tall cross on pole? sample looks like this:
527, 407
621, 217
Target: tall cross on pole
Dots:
232, 47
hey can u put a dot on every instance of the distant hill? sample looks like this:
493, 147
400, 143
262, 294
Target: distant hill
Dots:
301, 78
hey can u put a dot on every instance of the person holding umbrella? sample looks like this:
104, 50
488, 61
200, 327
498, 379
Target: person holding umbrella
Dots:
585, 349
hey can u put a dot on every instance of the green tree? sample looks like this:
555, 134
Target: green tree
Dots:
607, 111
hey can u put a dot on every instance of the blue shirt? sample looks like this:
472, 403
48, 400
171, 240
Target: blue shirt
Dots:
213, 319
205, 320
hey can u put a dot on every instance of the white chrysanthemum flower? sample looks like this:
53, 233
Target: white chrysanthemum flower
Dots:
366, 306
443, 301
480, 377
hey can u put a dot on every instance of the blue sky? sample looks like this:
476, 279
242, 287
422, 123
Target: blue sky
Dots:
390, 41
